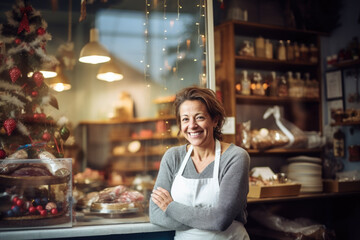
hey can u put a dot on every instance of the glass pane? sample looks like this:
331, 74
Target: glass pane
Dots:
120, 129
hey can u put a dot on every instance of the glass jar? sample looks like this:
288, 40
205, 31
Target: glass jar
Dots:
296, 51
289, 51
281, 51
314, 51
268, 49
283, 89
245, 83
304, 53
257, 87
260, 47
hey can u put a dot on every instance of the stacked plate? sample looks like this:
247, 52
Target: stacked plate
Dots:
307, 171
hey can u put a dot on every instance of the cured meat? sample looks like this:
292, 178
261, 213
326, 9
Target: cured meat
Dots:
30, 171
130, 196
119, 194
109, 195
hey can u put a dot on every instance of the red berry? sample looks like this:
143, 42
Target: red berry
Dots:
19, 202
32, 210
46, 136
39, 208
17, 41
2, 154
15, 199
43, 212
34, 93
54, 211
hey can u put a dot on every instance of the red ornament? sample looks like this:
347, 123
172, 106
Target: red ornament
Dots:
18, 41
14, 200
19, 202
34, 93
36, 116
38, 78
39, 208
9, 125
2, 154
40, 31
32, 210
42, 115
54, 211
15, 73
43, 212
24, 24
46, 136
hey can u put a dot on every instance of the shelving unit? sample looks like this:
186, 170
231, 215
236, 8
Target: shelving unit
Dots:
107, 144
229, 63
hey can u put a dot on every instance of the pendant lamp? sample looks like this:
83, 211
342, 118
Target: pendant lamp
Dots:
93, 52
60, 82
110, 72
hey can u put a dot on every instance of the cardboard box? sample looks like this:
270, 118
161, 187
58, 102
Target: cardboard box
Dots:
336, 186
279, 190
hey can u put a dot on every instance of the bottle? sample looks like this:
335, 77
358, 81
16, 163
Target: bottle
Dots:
308, 88
339, 143
260, 47
257, 85
283, 89
273, 84
289, 51
281, 51
304, 52
293, 86
313, 53
296, 52
245, 83
268, 49
300, 84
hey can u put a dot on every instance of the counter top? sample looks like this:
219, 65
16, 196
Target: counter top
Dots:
82, 231
87, 226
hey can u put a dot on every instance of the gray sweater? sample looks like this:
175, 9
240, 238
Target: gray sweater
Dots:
234, 187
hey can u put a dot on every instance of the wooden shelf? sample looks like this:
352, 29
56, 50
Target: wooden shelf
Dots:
135, 120
273, 100
283, 151
352, 123
301, 197
346, 64
129, 139
273, 64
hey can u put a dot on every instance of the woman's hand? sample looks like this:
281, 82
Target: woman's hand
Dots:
161, 197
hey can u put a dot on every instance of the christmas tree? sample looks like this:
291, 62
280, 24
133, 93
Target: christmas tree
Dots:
26, 130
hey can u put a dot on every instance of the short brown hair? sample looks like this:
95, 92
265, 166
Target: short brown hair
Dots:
208, 98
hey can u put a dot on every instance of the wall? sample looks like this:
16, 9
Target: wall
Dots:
339, 38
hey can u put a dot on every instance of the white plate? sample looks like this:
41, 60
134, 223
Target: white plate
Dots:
305, 159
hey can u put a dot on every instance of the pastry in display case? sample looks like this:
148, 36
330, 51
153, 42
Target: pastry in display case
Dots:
35, 192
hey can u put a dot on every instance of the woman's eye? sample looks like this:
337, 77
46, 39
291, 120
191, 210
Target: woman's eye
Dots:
200, 117
184, 119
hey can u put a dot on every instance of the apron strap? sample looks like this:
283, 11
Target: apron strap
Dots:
217, 160
186, 158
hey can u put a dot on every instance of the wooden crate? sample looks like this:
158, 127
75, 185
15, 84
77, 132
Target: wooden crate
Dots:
336, 186
279, 190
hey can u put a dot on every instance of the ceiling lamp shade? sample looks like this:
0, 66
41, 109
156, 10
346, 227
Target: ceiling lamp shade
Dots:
110, 72
93, 52
60, 82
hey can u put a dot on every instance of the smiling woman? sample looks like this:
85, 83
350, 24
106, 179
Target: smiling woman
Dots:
202, 186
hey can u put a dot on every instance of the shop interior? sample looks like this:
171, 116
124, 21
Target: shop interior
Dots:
287, 73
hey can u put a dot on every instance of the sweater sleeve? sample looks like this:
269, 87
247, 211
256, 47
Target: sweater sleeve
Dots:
164, 179
234, 188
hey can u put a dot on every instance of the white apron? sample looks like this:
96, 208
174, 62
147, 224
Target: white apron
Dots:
202, 193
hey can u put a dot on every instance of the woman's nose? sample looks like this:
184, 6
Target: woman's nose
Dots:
193, 123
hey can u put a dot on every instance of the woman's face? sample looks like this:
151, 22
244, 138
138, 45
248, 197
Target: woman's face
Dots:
196, 123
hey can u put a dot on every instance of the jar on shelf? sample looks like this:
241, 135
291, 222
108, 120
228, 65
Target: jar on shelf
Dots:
300, 84
304, 52
245, 83
257, 86
283, 88
273, 84
246, 49
289, 51
260, 47
314, 51
281, 51
308, 88
339, 143
293, 85
268, 49
296, 51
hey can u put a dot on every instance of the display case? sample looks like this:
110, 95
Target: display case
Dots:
35, 193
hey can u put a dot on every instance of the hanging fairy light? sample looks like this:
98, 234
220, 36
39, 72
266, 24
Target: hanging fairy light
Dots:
146, 37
